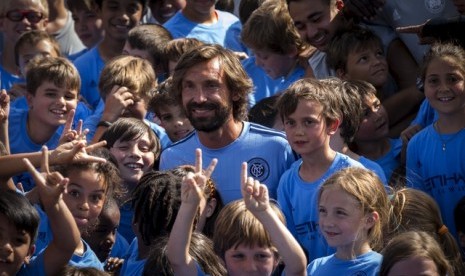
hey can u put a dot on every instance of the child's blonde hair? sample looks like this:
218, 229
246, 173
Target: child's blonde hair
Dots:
414, 244
134, 73
270, 27
309, 89
415, 210
235, 226
370, 193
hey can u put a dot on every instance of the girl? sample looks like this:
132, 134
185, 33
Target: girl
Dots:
353, 210
414, 210
439, 170
135, 148
89, 186
414, 253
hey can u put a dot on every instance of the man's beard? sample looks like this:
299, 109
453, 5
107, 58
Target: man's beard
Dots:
208, 124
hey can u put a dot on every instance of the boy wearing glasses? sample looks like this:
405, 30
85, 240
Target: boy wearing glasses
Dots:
17, 17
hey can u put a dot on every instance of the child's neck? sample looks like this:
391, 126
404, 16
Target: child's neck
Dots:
38, 132
204, 18
373, 149
80, 249
314, 167
110, 48
352, 251
450, 124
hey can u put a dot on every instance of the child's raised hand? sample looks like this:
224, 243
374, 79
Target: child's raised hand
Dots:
254, 193
50, 185
4, 106
193, 184
116, 102
76, 151
69, 134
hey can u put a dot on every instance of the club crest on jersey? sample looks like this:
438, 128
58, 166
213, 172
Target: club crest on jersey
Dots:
258, 169
435, 6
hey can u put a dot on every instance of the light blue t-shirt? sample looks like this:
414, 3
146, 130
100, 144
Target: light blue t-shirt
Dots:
266, 152
36, 266
367, 264
436, 165
133, 266
265, 86
7, 80
391, 160
426, 115
89, 66
374, 167
298, 201
225, 32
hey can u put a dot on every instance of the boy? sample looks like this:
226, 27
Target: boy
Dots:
372, 138
87, 24
16, 18
351, 115
52, 86
358, 54
169, 112
270, 34
118, 17
126, 85
311, 116
149, 41
207, 24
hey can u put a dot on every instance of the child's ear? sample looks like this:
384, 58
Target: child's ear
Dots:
341, 73
30, 252
371, 219
29, 98
333, 126
210, 207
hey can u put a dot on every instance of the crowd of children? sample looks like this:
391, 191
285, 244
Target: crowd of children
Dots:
334, 145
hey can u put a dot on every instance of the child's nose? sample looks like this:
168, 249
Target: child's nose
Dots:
250, 266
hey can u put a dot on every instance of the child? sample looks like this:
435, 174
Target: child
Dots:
117, 19
372, 138
208, 25
163, 10
431, 170
351, 111
415, 210
89, 186
170, 113
208, 210
311, 115
87, 24
35, 45
414, 253
353, 213
51, 187
14, 13
104, 239
176, 48
149, 41
52, 91
136, 149
126, 86
155, 201
359, 55
264, 113
271, 36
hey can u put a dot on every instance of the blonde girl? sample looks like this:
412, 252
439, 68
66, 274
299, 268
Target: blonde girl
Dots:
353, 210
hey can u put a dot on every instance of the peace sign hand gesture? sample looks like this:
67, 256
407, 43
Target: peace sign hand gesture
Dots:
254, 193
